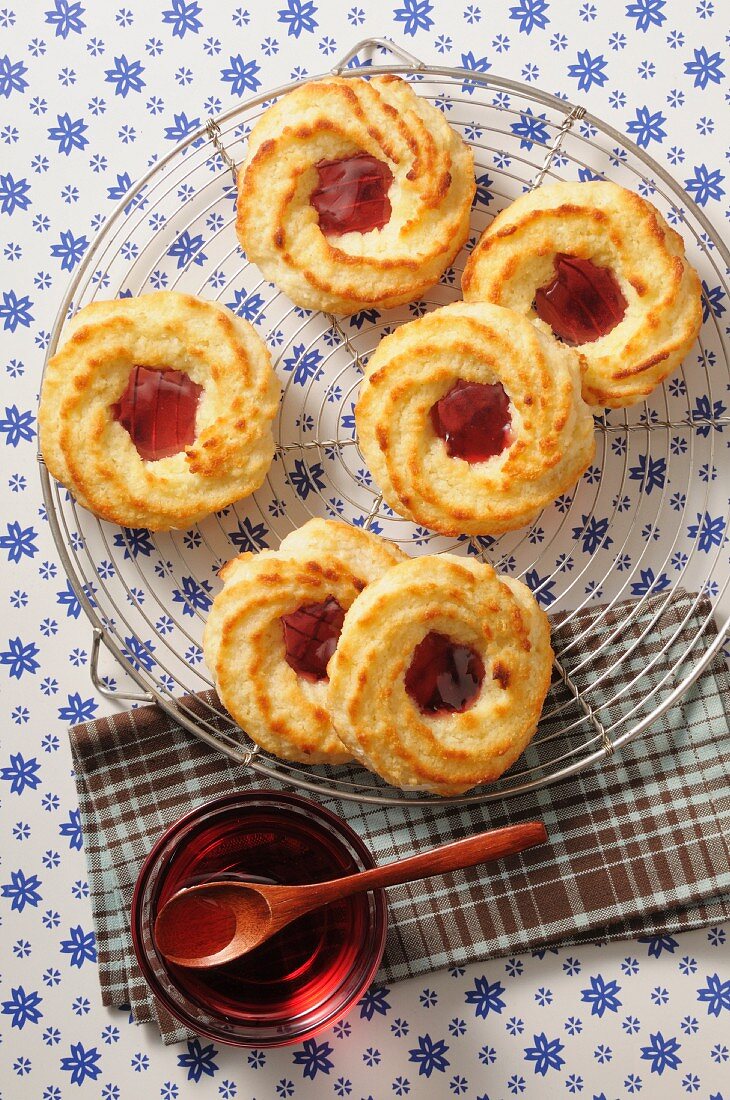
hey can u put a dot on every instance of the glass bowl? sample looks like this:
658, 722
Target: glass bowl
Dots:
307, 976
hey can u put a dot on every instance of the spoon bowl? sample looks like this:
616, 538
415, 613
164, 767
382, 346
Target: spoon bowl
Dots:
216, 922
213, 923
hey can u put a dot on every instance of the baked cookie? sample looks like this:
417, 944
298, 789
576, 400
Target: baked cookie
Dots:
440, 674
156, 411
598, 267
273, 628
472, 421
354, 193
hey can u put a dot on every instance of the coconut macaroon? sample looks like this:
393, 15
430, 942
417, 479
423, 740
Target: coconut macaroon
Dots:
440, 674
599, 267
472, 421
156, 411
354, 193
272, 629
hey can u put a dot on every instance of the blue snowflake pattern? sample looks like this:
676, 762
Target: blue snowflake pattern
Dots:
183, 17
19, 542
314, 1057
712, 301
78, 709
72, 830
14, 194
22, 1007
705, 184
22, 890
20, 657
126, 76
486, 997
82, 1063
375, 1000
80, 946
249, 536
12, 76
646, 127
715, 994
69, 250
545, 1054
589, 70
182, 126
661, 1053
15, 311
307, 479
602, 996
298, 16
135, 541
475, 65
429, 1055
706, 68
483, 195
709, 531
69, 133
530, 14
248, 306
241, 75
17, 426
304, 363
66, 18
199, 1060
530, 129
193, 595
21, 773
647, 13
187, 249
650, 472
648, 582
415, 15
593, 534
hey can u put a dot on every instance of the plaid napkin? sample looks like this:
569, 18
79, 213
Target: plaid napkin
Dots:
638, 843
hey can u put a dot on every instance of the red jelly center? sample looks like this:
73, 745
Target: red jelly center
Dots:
443, 676
311, 635
582, 303
352, 195
158, 410
474, 420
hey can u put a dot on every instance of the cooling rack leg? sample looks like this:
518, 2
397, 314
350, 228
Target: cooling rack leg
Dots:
374, 43
125, 696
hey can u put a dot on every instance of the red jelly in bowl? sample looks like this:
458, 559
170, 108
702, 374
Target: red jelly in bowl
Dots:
158, 409
351, 195
311, 635
474, 420
308, 975
582, 303
444, 677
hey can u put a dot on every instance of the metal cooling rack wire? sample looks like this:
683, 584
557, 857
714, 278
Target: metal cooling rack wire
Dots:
582, 740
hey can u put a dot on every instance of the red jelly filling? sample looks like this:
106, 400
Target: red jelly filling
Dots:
158, 410
474, 420
311, 635
582, 303
352, 195
443, 676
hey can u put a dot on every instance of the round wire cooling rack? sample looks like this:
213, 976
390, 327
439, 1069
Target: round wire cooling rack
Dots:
636, 551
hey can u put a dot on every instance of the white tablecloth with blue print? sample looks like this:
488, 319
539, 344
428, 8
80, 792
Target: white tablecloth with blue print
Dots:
89, 93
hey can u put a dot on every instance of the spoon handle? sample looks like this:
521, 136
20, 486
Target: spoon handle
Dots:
494, 844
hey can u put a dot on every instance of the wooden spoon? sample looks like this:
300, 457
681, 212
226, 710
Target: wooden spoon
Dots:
216, 922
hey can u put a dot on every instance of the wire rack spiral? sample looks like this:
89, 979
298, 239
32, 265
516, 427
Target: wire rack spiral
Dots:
648, 518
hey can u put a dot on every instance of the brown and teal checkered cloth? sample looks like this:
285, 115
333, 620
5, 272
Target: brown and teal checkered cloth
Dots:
639, 843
